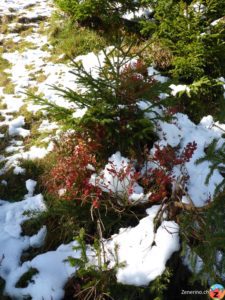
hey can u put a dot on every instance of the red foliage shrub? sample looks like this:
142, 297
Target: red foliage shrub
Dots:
123, 179
69, 177
172, 110
135, 81
168, 158
159, 180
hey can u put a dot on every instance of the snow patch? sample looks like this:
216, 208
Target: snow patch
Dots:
143, 260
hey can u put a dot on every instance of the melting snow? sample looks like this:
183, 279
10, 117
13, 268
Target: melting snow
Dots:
143, 261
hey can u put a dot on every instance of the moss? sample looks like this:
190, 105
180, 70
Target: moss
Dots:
45, 47
31, 90
32, 123
24, 45
4, 28
103, 285
9, 88
26, 278
10, 46
2, 105
30, 6
4, 129
62, 221
40, 77
15, 188
2, 118
4, 77
4, 64
29, 116
56, 59
7, 18
30, 67
42, 29
34, 169
4, 141
12, 10
37, 139
2, 286
32, 226
26, 32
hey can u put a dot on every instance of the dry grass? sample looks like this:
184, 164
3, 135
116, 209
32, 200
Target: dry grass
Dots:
161, 56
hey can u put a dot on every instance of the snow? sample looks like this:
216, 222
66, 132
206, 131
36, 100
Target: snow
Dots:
20, 7
143, 261
79, 113
111, 181
215, 22
181, 132
199, 7
13, 244
156, 75
53, 273
38, 239
179, 88
169, 134
33, 153
15, 127
91, 62
37, 152
139, 13
12, 102
12, 148
47, 126
190, 257
12, 215
18, 170
30, 185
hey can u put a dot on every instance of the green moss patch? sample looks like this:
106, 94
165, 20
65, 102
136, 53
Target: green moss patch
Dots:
26, 278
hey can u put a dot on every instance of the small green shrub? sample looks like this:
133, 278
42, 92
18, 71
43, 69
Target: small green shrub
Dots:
99, 282
203, 231
95, 12
216, 155
215, 9
205, 96
197, 47
112, 102
188, 62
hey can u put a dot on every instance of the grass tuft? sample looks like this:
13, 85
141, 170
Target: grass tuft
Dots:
72, 40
